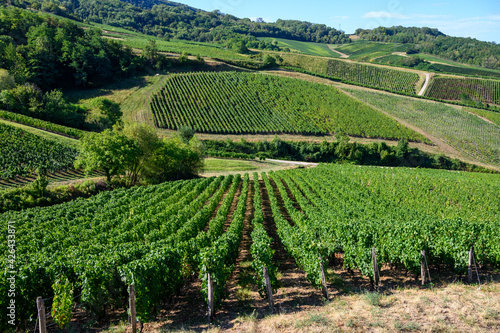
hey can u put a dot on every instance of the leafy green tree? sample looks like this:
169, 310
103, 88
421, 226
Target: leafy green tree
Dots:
148, 143
150, 52
239, 47
268, 61
173, 160
186, 133
110, 151
6, 81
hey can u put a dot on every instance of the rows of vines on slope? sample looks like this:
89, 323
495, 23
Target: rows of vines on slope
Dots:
230, 102
117, 238
448, 88
356, 209
42, 124
262, 253
22, 153
463, 131
219, 259
300, 242
369, 75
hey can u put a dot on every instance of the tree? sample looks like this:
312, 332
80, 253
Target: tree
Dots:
186, 133
110, 151
239, 47
148, 142
6, 81
268, 61
150, 52
174, 160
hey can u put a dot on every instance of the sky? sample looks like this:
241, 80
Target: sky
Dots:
477, 19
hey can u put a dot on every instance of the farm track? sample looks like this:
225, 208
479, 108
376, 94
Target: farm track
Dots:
424, 87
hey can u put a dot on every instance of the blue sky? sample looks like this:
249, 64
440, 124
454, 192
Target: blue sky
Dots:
477, 19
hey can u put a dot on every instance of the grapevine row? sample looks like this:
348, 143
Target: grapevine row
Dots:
231, 102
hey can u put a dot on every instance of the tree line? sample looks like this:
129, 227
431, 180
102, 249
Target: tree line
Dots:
426, 40
41, 54
172, 20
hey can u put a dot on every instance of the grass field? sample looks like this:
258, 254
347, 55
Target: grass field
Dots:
315, 49
365, 51
132, 94
492, 116
463, 131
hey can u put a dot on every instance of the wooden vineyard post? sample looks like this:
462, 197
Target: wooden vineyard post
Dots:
323, 280
210, 298
133, 317
376, 274
422, 267
41, 315
471, 255
269, 289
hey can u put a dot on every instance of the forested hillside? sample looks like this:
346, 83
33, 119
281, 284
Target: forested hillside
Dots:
172, 20
426, 40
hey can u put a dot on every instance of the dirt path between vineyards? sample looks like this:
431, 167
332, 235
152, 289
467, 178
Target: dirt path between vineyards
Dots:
422, 91
342, 55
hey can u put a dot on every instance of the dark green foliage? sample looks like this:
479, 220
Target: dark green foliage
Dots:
147, 231
56, 53
51, 106
174, 20
432, 41
22, 153
37, 195
137, 153
337, 152
186, 133
219, 259
398, 211
268, 61
262, 253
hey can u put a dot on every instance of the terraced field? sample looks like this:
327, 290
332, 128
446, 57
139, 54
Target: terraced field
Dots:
230, 102
158, 238
450, 88
467, 133
356, 73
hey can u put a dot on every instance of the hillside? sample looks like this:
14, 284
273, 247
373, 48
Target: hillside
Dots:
370, 208
432, 41
172, 20
249, 103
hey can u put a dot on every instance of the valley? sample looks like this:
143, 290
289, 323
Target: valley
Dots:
169, 169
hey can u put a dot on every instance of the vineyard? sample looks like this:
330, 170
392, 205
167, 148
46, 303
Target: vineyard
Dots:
485, 91
41, 124
22, 153
462, 130
229, 102
157, 237
365, 51
357, 73
398, 60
